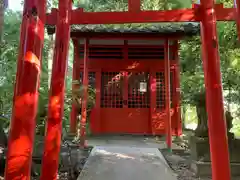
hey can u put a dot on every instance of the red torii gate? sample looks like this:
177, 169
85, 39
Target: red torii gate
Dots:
25, 100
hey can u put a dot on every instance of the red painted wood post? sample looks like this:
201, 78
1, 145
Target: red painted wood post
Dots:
75, 77
25, 102
177, 90
167, 95
56, 95
85, 96
237, 6
214, 95
134, 5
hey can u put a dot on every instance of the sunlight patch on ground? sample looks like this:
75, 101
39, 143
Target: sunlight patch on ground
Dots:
123, 156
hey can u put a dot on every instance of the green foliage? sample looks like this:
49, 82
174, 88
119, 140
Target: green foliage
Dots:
192, 78
122, 5
8, 56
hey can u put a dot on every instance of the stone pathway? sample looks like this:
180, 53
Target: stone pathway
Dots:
126, 163
128, 141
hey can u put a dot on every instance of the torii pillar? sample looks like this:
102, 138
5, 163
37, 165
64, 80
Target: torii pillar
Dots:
53, 139
214, 93
25, 100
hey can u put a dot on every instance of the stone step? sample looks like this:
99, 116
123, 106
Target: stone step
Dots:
203, 169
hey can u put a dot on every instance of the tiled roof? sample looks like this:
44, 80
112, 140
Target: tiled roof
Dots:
188, 29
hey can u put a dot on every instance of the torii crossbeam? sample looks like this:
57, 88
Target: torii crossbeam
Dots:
25, 101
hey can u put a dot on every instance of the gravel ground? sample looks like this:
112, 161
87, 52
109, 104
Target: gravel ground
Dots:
179, 161
72, 162
73, 170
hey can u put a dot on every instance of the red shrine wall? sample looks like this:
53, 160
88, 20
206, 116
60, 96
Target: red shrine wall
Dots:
130, 91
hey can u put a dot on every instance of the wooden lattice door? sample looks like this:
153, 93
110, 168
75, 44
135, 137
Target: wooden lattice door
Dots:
111, 90
138, 90
125, 102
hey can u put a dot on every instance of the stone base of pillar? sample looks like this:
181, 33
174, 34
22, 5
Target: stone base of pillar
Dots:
200, 156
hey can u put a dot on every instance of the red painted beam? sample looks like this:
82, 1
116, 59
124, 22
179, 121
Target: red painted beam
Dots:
180, 15
25, 102
226, 14
214, 95
85, 96
56, 95
167, 96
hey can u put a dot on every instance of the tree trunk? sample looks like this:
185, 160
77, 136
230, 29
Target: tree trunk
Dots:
183, 117
202, 128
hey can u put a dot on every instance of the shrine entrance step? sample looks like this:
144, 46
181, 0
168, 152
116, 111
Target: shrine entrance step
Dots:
126, 163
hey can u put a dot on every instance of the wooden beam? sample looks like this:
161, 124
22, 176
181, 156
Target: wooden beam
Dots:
179, 15
225, 14
183, 15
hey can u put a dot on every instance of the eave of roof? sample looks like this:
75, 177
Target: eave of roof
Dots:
185, 29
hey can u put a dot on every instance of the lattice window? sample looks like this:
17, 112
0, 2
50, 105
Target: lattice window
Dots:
160, 104
138, 90
112, 90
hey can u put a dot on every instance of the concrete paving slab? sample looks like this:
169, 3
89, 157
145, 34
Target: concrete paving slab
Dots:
128, 141
126, 163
